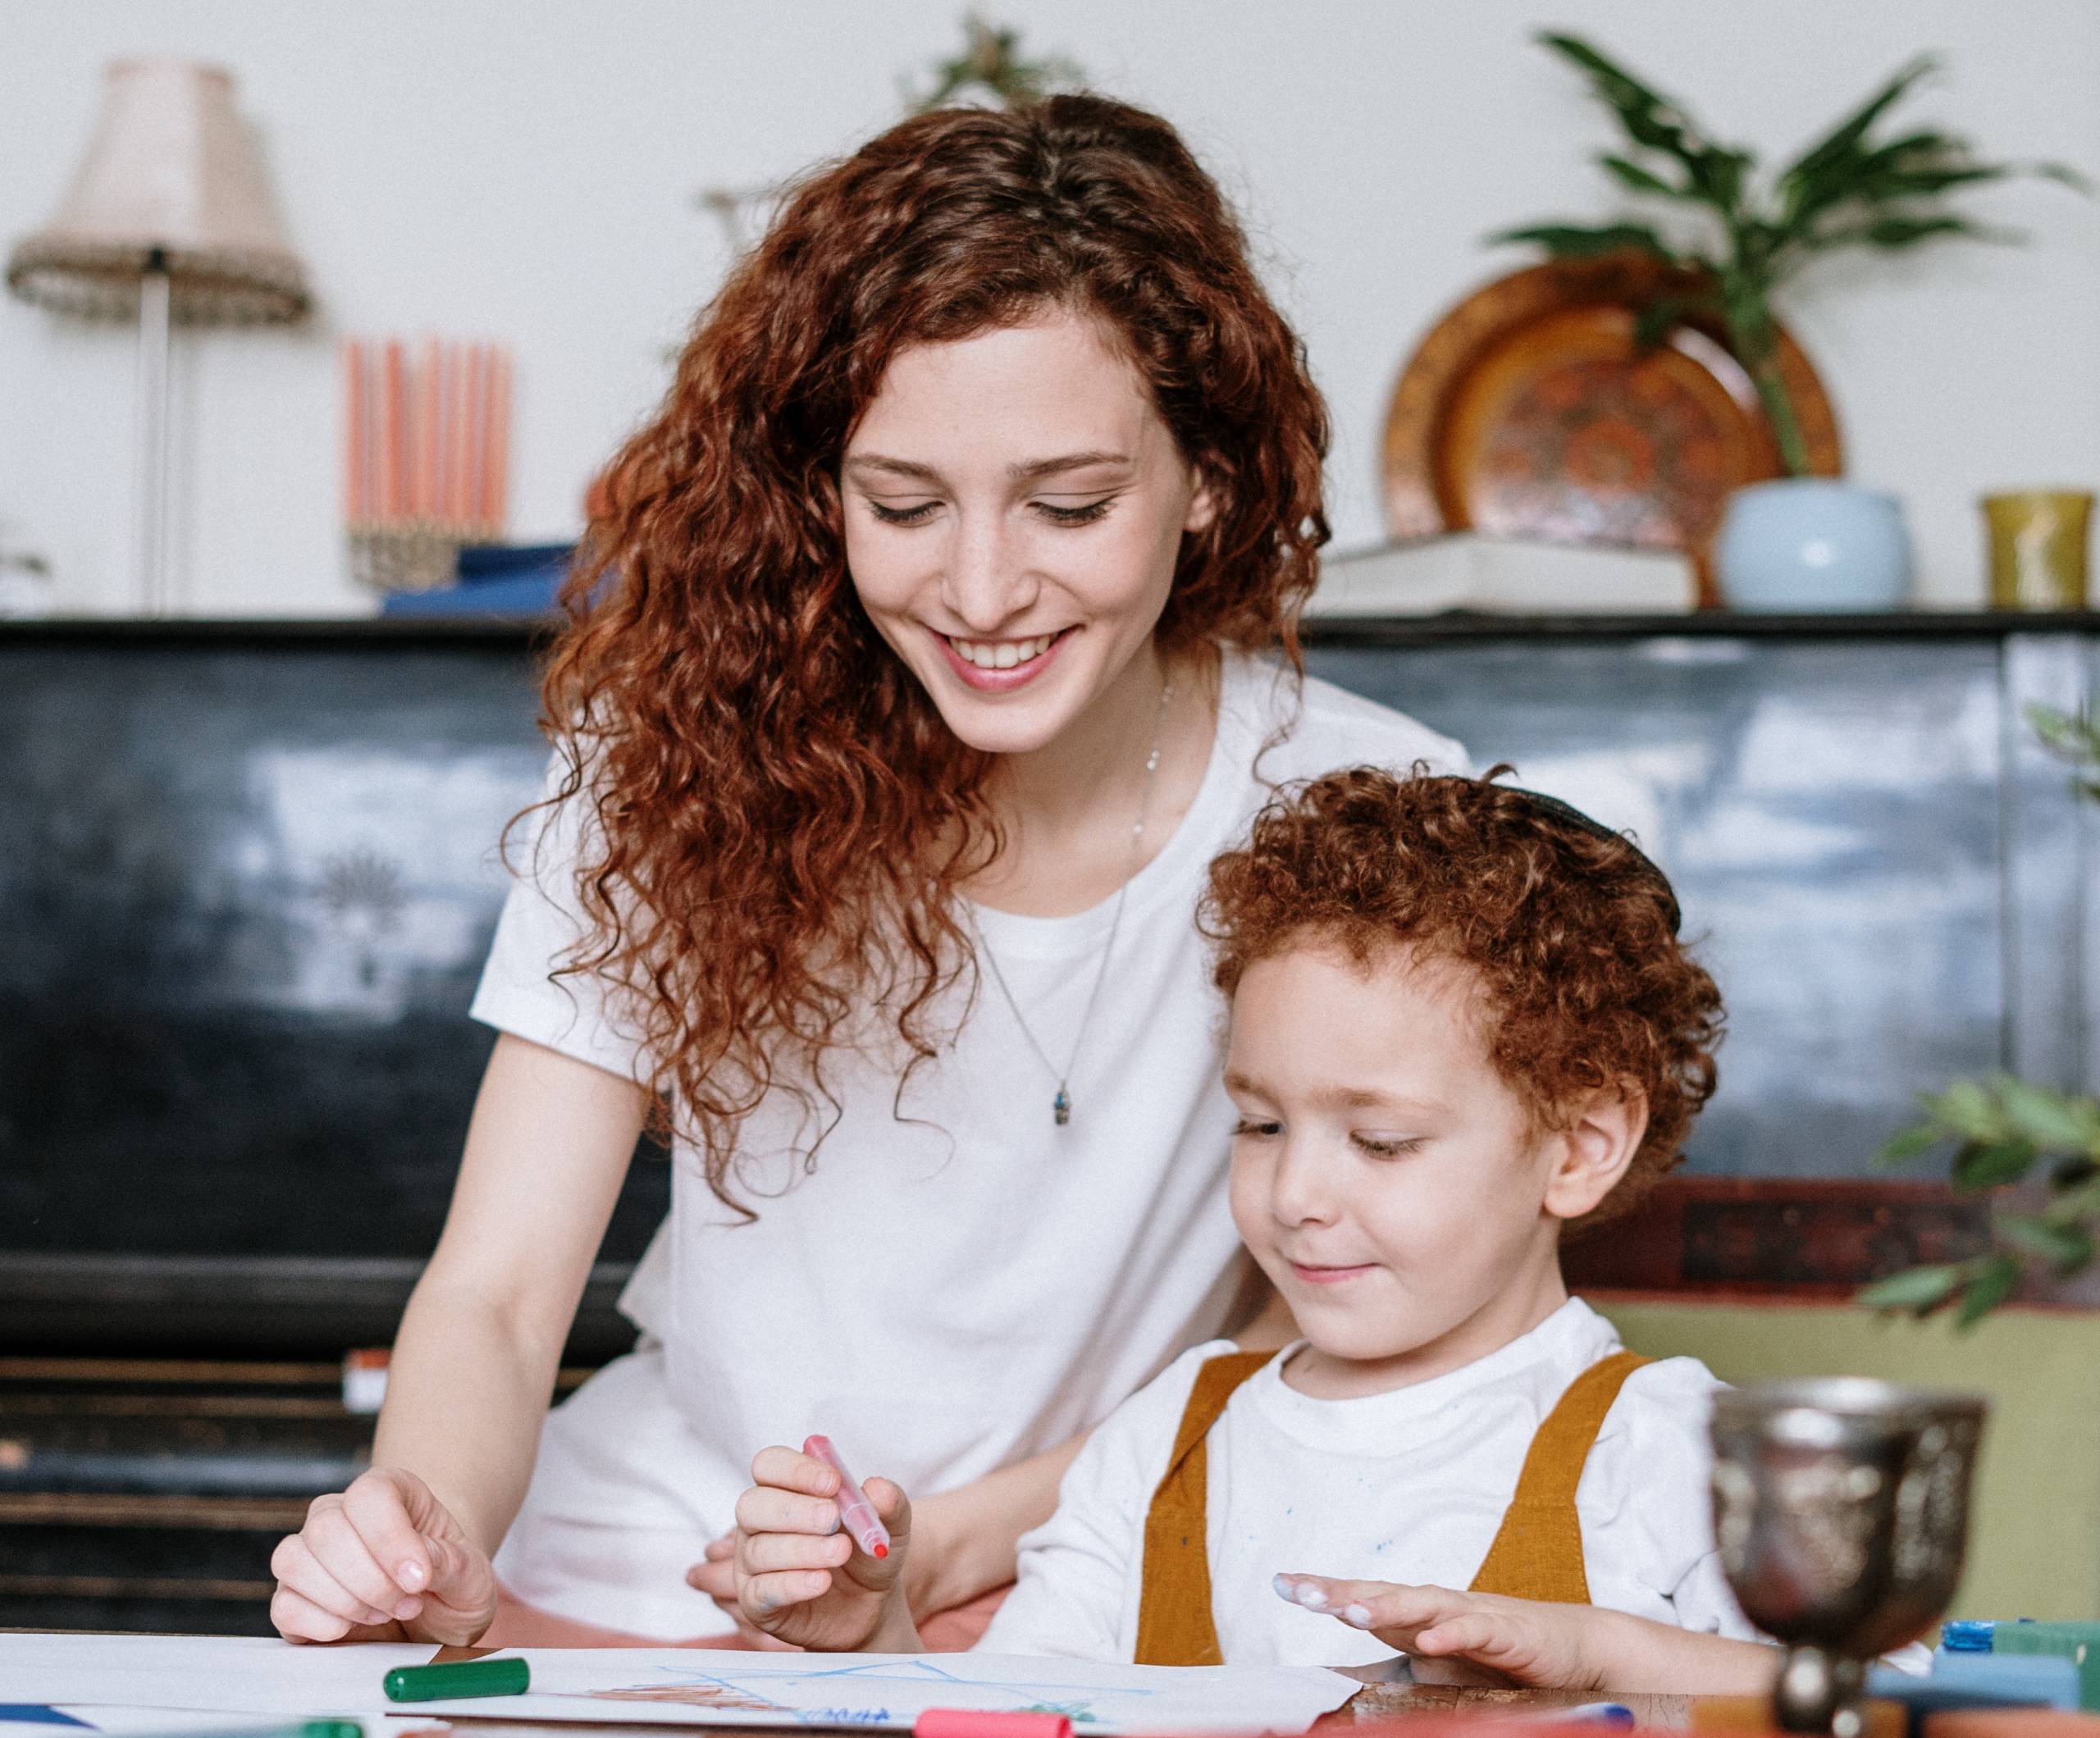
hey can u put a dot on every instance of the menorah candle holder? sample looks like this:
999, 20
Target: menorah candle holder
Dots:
426, 457
414, 555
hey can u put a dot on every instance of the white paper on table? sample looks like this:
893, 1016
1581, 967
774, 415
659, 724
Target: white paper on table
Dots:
174, 1722
211, 1674
673, 1686
687, 1686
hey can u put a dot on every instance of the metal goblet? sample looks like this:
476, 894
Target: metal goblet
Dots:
1841, 1507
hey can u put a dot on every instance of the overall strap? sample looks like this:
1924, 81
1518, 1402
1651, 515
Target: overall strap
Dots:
1174, 1625
1538, 1554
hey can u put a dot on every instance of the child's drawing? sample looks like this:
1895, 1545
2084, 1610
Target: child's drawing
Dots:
824, 1695
873, 1692
690, 1695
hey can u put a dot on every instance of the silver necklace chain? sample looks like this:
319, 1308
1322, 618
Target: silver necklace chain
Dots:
1061, 1105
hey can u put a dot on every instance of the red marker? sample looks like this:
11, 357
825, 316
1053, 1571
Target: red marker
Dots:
856, 1513
965, 1722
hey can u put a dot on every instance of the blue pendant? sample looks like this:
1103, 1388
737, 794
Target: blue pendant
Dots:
1063, 1107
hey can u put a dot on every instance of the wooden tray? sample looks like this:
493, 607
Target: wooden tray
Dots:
1529, 410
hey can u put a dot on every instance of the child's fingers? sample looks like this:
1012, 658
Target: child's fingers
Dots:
763, 1509
715, 1573
1371, 1605
1404, 1611
717, 1579
765, 1597
892, 1508
762, 1553
790, 1469
1477, 1634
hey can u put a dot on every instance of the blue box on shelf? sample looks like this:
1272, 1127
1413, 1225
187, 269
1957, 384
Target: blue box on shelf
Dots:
494, 579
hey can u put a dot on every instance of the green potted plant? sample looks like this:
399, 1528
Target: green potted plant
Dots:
991, 71
2000, 1129
1735, 238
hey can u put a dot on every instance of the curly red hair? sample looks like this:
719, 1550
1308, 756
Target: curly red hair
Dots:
1568, 932
778, 818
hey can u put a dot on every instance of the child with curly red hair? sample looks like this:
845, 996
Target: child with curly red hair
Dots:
1462, 1019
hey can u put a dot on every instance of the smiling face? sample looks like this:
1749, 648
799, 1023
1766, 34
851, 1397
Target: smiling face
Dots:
1390, 1182
1014, 507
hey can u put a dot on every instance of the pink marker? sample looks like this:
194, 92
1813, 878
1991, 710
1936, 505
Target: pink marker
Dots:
856, 1513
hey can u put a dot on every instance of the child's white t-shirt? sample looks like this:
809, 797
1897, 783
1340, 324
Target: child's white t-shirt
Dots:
1406, 1486
958, 1282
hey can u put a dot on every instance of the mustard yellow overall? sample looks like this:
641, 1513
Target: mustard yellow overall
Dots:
1537, 1552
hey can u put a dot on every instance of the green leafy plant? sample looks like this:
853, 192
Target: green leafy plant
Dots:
991, 70
2001, 1128
1853, 188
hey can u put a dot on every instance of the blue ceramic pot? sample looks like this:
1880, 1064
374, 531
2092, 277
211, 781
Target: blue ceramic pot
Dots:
1811, 543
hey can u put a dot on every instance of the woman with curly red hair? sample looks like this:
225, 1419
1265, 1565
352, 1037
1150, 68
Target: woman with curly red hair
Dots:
933, 659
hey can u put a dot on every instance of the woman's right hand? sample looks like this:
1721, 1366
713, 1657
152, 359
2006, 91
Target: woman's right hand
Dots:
385, 1561
800, 1575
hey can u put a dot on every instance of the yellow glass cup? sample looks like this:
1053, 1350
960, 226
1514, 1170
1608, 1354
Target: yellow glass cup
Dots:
2038, 548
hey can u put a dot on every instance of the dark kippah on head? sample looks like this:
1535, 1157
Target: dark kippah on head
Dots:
1568, 812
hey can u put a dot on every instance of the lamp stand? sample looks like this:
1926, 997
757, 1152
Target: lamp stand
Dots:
150, 529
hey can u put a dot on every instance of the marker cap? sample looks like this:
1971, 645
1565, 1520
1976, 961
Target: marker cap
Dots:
466, 1677
965, 1722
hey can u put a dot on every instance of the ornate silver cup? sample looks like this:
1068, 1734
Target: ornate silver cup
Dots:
1843, 1508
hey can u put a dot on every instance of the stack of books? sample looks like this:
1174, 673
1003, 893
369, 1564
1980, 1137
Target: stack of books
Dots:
1471, 570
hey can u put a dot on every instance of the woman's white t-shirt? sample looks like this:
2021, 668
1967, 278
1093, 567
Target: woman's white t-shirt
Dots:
958, 1282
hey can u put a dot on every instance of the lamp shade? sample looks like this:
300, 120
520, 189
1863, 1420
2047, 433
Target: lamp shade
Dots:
173, 180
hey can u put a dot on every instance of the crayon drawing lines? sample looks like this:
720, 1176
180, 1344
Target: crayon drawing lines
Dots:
694, 1693
922, 1672
810, 1695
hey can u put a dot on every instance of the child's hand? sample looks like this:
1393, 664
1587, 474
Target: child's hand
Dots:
1531, 1642
1484, 1638
928, 1582
801, 1577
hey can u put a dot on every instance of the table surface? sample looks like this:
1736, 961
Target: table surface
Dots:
1375, 1701
1387, 1701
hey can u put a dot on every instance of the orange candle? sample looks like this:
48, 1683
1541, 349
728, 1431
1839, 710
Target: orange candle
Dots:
393, 433
422, 497
474, 472
441, 497
459, 501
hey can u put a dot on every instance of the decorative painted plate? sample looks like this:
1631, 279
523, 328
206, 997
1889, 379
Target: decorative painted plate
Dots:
1530, 411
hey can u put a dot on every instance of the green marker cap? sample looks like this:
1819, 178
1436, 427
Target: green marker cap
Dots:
465, 1677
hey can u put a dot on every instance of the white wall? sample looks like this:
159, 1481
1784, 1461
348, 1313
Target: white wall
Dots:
522, 168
